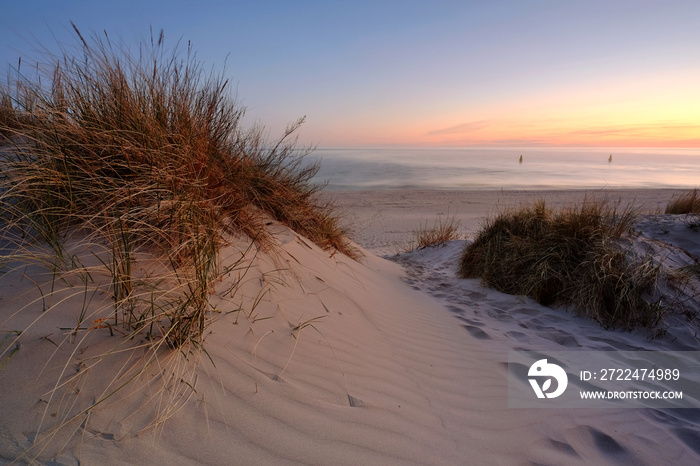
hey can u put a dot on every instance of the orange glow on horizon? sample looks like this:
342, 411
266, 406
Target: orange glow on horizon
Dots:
660, 127
623, 112
636, 134
629, 133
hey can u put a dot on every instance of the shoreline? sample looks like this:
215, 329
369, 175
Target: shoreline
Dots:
383, 221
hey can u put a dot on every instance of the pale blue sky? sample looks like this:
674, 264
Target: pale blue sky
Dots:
369, 73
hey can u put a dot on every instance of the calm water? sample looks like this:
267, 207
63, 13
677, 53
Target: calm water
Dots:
542, 168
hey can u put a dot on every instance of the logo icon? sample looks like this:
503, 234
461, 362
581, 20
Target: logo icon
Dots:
542, 369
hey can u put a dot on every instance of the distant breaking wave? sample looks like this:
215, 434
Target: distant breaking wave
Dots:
541, 168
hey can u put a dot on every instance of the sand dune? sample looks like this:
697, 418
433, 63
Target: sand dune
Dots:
330, 361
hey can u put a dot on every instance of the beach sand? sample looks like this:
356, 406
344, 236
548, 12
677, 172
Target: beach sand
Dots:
383, 221
335, 361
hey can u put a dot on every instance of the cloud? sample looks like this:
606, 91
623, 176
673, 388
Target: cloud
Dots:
460, 129
642, 129
519, 133
519, 141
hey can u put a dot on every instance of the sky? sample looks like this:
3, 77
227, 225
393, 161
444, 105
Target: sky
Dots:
429, 73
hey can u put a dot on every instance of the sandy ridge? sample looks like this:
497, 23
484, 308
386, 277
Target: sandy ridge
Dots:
340, 362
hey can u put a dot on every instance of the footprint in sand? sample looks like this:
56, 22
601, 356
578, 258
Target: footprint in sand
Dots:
563, 447
604, 444
456, 310
517, 336
690, 437
474, 322
476, 332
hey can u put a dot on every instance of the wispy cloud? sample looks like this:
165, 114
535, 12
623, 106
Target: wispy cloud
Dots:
462, 128
583, 133
636, 129
519, 141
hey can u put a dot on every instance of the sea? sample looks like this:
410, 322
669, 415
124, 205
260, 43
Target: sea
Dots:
527, 168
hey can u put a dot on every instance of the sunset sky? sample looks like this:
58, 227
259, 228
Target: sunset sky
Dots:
423, 73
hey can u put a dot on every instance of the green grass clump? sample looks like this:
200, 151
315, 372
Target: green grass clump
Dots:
688, 203
569, 256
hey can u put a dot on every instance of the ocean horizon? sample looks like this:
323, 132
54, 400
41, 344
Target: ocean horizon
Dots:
542, 168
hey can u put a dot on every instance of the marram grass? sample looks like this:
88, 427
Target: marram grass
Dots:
143, 155
688, 203
570, 257
444, 229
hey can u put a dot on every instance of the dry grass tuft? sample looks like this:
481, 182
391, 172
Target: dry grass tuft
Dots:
149, 152
444, 229
688, 203
569, 257
144, 155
